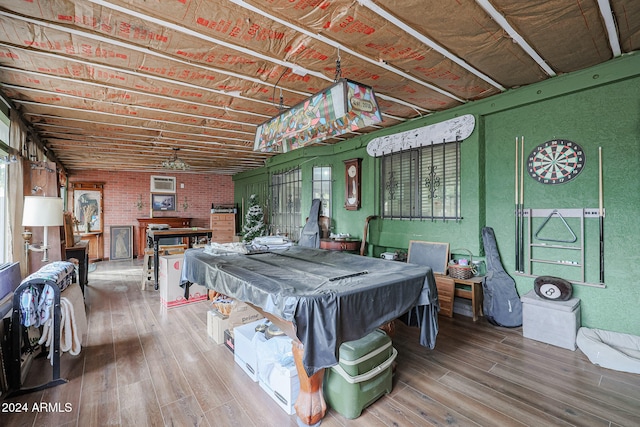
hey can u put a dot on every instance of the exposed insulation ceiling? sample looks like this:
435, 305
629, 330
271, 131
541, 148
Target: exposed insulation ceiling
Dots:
117, 85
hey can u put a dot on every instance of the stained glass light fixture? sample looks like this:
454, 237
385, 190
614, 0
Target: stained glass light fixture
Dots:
343, 107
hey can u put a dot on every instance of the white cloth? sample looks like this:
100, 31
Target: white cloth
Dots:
29, 301
73, 323
214, 248
45, 303
611, 350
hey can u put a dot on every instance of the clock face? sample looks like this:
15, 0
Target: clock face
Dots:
556, 161
352, 171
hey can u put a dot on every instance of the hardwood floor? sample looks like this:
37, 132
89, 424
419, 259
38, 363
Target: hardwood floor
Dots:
144, 365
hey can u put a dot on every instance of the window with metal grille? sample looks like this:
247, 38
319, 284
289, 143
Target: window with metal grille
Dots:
322, 188
285, 189
422, 183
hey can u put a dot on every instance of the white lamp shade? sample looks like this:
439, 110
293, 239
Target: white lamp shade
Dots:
42, 211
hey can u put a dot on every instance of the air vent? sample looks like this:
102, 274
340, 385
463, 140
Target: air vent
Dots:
163, 184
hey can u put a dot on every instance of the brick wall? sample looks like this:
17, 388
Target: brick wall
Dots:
122, 190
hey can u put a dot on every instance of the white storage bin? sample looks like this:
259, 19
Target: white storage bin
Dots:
283, 386
277, 373
245, 352
550, 321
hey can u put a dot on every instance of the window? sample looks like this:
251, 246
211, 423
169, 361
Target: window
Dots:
3, 208
4, 225
422, 183
285, 203
322, 188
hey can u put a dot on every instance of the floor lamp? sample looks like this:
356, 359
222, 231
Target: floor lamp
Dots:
40, 211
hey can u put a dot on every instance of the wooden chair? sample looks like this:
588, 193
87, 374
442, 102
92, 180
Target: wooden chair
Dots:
75, 250
363, 245
325, 225
147, 262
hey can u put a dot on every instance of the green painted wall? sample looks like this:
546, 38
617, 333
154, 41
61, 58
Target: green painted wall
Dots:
598, 107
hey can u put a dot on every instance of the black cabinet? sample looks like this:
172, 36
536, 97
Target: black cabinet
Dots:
80, 252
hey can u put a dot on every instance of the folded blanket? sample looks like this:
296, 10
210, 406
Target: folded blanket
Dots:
73, 325
29, 301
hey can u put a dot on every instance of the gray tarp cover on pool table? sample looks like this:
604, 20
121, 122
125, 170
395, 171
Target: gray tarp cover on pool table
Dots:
331, 297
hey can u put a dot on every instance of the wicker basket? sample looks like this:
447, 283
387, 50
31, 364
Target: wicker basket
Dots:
462, 271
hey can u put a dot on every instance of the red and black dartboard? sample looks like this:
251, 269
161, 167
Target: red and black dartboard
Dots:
556, 161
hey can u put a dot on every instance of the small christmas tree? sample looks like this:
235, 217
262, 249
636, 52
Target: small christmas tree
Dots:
253, 221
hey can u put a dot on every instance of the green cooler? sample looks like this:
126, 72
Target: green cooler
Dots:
362, 375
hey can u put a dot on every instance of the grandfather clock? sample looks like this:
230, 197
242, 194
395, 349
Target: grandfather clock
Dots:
352, 184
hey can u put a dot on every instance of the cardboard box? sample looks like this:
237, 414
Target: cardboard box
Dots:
242, 313
246, 352
280, 381
228, 341
283, 387
216, 325
171, 294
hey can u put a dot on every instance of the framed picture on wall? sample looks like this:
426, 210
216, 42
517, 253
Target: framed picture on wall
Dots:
163, 202
87, 206
121, 242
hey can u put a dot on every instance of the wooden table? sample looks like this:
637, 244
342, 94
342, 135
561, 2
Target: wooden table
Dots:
143, 225
347, 245
156, 235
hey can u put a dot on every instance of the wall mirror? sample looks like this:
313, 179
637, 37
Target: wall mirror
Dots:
87, 206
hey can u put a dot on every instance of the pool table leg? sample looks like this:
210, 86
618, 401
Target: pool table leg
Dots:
310, 405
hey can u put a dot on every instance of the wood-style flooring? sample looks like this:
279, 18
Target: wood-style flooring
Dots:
145, 365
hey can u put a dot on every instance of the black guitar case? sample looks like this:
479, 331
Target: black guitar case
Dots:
310, 234
502, 305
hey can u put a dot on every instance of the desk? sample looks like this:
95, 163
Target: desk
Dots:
349, 245
156, 235
323, 298
143, 225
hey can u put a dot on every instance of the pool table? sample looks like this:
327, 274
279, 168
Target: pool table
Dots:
320, 299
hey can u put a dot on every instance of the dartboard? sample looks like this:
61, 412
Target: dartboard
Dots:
556, 161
